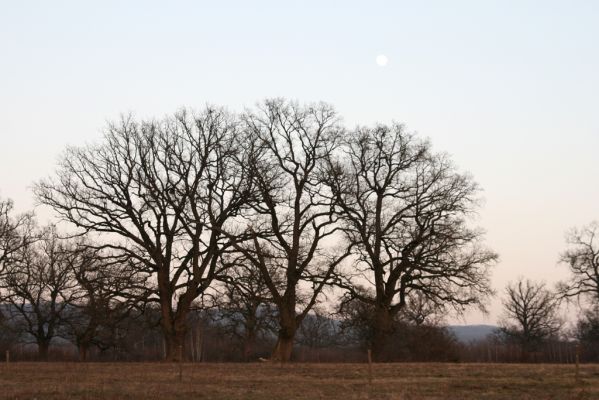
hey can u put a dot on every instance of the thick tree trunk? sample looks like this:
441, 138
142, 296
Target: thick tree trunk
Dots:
283, 349
174, 330
173, 321
288, 327
382, 330
42, 350
174, 344
248, 346
527, 351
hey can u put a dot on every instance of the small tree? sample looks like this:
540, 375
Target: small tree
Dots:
530, 315
318, 330
39, 288
358, 318
8, 335
587, 332
244, 308
107, 289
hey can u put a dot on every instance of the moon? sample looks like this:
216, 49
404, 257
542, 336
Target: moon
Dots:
382, 60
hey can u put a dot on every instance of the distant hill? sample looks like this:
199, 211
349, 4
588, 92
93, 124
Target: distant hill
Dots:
468, 333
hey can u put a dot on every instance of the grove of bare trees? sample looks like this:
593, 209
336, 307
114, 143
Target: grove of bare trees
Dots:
278, 227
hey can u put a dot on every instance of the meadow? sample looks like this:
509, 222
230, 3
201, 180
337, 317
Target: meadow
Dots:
265, 381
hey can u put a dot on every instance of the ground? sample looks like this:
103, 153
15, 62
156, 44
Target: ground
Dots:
264, 381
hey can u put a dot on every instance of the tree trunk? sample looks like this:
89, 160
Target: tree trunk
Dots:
527, 353
174, 329
174, 343
382, 330
83, 350
84, 340
42, 350
248, 345
288, 327
283, 349
173, 322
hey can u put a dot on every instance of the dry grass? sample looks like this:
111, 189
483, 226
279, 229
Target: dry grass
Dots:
296, 381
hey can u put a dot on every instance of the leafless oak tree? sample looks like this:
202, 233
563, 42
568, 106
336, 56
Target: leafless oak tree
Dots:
290, 144
160, 192
531, 314
405, 209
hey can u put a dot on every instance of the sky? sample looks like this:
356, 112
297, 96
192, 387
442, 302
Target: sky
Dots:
509, 89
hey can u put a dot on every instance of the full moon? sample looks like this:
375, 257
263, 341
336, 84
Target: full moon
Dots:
382, 60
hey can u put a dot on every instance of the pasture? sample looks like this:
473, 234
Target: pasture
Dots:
265, 381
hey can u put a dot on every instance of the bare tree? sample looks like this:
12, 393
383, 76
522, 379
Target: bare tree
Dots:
161, 193
420, 310
39, 289
531, 314
358, 318
16, 232
107, 290
244, 307
318, 330
405, 209
290, 145
583, 260
586, 330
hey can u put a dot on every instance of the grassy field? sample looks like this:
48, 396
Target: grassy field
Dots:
296, 381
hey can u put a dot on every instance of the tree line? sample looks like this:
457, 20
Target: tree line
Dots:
257, 221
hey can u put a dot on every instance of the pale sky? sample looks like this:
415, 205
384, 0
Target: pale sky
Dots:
509, 88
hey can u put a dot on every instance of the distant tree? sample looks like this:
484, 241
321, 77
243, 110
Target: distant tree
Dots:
582, 257
290, 145
160, 193
587, 327
39, 287
356, 321
404, 210
358, 318
420, 310
318, 330
107, 289
8, 335
244, 307
586, 332
424, 343
530, 315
